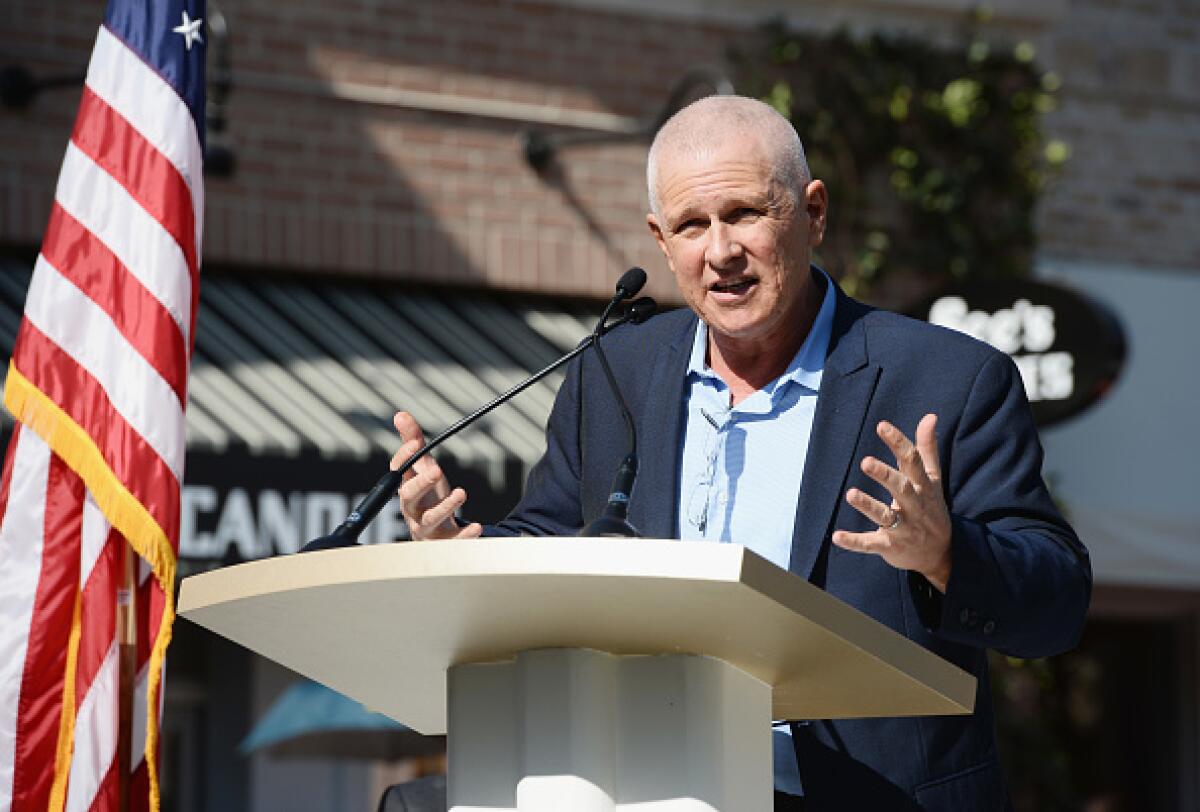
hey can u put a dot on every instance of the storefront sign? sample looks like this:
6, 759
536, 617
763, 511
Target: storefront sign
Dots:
238, 506
245, 524
1068, 348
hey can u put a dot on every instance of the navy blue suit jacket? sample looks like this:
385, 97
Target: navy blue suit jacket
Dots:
1020, 580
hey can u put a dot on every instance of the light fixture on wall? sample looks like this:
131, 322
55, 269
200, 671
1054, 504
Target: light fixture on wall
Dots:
219, 158
540, 147
19, 87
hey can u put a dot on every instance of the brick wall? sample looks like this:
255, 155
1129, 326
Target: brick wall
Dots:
343, 167
1131, 115
378, 188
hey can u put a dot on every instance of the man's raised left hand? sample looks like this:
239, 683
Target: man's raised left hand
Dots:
914, 530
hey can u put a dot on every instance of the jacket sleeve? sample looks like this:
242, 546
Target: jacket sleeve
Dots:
1020, 579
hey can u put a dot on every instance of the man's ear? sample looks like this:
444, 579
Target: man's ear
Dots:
816, 205
656, 230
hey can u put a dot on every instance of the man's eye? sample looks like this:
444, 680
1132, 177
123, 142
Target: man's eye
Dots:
690, 225
743, 213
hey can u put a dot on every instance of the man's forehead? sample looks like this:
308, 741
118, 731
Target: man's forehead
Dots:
690, 179
715, 146
734, 157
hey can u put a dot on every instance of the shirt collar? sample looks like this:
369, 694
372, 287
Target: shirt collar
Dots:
806, 366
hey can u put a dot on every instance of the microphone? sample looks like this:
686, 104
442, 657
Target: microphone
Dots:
346, 534
628, 286
613, 520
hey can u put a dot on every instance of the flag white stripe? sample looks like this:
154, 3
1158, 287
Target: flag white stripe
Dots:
21, 542
153, 108
93, 537
85, 332
105, 208
96, 726
141, 688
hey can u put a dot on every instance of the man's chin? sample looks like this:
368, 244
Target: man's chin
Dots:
735, 329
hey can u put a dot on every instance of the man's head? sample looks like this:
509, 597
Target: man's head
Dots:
736, 213
708, 121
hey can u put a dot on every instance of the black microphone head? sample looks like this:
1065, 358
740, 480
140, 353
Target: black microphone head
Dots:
631, 282
642, 309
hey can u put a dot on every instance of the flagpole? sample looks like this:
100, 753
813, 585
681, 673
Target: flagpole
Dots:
127, 652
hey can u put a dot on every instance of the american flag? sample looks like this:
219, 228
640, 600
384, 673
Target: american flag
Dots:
98, 381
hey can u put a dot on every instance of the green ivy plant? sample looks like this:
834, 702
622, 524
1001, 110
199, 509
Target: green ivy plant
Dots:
934, 156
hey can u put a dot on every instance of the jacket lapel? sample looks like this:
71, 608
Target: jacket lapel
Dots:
846, 389
655, 506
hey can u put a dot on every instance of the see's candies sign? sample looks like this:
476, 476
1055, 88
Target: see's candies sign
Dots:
1068, 348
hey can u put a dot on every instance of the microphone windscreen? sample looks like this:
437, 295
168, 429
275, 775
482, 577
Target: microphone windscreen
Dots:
642, 309
631, 282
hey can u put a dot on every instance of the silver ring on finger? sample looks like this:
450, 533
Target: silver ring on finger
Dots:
896, 522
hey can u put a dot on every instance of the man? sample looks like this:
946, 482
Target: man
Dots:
892, 463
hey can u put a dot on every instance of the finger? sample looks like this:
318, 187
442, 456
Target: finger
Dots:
443, 511
408, 427
472, 531
908, 458
927, 446
870, 507
873, 543
417, 491
413, 440
896, 483
402, 454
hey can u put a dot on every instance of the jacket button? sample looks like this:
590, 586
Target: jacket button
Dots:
989, 627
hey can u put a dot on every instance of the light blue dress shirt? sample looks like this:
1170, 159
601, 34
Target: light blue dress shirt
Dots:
742, 465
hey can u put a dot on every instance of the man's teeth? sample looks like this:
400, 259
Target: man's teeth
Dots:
738, 285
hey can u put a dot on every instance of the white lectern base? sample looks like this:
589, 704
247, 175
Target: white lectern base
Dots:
581, 730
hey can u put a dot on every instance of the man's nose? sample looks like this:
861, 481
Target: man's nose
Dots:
723, 246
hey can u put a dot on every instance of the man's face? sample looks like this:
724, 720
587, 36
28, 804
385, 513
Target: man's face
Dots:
738, 242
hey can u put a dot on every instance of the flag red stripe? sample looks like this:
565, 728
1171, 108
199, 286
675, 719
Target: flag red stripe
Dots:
78, 394
99, 614
86, 261
9, 458
108, 139
40, 705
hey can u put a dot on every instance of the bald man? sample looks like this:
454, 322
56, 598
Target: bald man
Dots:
892, 463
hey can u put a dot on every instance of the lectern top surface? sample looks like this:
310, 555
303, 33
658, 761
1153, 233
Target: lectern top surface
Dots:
382, 623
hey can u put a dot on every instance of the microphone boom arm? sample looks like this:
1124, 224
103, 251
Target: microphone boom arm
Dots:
347, 533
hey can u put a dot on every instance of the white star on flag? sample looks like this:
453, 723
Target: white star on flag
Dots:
190, 29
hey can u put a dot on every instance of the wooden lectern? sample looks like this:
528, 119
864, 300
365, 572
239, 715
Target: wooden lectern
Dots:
579, 674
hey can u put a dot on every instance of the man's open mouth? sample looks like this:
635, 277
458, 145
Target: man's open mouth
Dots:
733, 287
